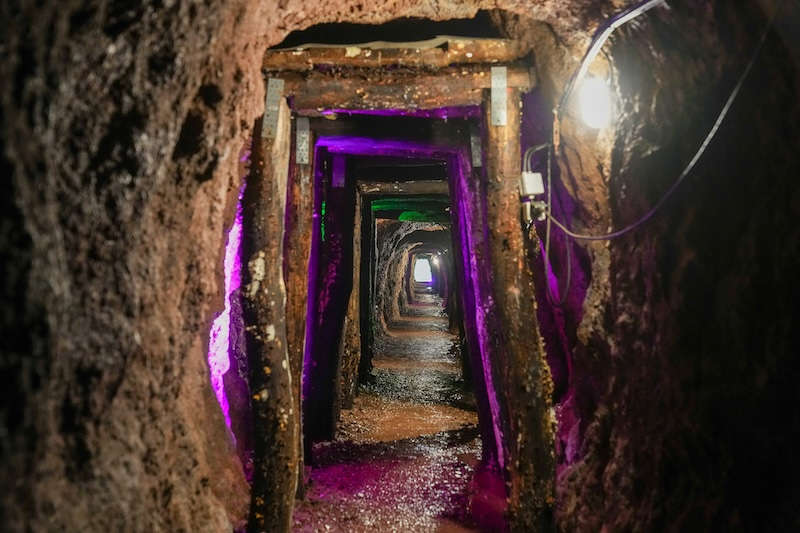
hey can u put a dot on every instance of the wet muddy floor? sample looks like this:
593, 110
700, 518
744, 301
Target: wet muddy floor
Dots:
405, 452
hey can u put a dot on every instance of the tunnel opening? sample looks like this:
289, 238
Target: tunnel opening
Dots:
422, 271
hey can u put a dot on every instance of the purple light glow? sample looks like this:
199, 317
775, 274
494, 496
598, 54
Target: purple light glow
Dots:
440, 113
460, 173
472, 270
551, 277
385, 147
219, 339
313, 266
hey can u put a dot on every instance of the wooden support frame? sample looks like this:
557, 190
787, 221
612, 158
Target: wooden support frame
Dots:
519, 369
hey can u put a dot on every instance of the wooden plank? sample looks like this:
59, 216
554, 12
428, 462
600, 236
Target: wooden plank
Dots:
436, 53
297, 250
397, 89
524, 382
404, 187
435, 132
274, 413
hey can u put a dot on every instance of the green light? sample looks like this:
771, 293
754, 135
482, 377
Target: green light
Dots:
423, 216
322, 222
415, 208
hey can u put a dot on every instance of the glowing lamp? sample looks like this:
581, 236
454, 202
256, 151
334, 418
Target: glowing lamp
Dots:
595, 103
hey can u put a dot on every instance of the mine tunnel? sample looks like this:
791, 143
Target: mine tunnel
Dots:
525, 266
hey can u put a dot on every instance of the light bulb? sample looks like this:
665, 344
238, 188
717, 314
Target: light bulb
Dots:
595, 102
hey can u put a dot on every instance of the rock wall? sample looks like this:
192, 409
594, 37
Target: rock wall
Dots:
681, 392
120, 129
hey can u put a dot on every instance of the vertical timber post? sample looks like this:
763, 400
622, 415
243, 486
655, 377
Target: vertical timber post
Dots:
263, 305
350, 352
297, 249
522, 370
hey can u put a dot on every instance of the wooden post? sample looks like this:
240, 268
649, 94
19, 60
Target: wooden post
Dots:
297, 248
263, 306
350, 353
520, 365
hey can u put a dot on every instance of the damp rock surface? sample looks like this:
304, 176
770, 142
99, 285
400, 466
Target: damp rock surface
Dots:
405, 453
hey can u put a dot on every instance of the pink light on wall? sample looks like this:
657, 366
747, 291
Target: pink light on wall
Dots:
219, 339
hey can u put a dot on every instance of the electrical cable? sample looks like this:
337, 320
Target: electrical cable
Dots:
712, 132
526, 160
527, 165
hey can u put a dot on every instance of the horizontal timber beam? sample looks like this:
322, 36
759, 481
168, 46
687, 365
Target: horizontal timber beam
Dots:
439, 52
378, 89
404, 187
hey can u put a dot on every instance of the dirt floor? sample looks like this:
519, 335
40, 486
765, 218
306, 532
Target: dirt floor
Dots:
405, 453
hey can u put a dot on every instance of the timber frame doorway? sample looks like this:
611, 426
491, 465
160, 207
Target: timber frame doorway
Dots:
468, 93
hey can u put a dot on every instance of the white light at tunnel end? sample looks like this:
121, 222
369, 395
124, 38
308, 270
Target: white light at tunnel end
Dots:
595, 102
422, 270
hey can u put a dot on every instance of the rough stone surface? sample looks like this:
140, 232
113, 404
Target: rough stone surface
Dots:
681, 392
120, 124
394, 239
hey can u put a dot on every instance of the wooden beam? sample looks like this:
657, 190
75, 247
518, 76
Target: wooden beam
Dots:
404, 187
453, 132
296, 250
436, 53
524, 382
263, 292
396, 89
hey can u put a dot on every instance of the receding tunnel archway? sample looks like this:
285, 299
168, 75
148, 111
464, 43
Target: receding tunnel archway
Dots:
384, 220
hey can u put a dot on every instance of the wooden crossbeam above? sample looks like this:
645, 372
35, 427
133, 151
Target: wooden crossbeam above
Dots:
376, 89
439, 52
404, 187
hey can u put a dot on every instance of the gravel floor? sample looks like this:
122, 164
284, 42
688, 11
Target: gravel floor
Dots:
405, 453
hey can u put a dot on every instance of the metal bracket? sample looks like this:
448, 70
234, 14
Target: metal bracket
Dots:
302, 141
499, 86
475, 146
269, 126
